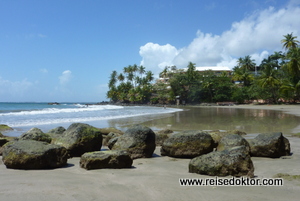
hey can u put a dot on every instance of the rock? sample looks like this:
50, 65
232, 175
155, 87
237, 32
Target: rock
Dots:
106, 131
272, 145
59, 130
233, 161
31, 154
106, 159
160, 138
4, 127
111, 142
111, 135
36, 134
187, 144
165, 131
232, 140
217, 135
138, 141
80, 138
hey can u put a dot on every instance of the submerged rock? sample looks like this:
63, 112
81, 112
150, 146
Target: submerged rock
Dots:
234, 161
31, 154
80, 138
105, 159
187, 144
138, 141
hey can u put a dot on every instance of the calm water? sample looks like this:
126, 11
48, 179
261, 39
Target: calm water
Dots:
251, 121
23, 116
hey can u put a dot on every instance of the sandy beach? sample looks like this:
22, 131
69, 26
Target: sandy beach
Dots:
155, 178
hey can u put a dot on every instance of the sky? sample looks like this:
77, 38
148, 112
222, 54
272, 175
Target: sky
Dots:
65, 50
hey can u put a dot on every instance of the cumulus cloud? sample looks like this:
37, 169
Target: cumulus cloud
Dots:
65, 77
257, 35
155, 55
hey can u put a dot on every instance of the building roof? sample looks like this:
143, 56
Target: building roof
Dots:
213, 68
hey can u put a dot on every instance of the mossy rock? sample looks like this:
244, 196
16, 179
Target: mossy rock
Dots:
31, 154
4, 127
187, 144
80, 138
36, 134
138, 141
234, 161
106, 159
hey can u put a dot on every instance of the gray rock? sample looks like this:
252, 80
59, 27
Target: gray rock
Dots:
233, 161
59, 130
232, 140
36, 134
107, 138
273, 145
187, 144
138, 141
80, 138
31, 154
106, 159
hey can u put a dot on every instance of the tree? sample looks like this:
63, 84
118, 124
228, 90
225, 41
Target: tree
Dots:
246, 63
269, 80
243, 75
289, 41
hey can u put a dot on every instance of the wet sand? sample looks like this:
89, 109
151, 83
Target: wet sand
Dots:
154, 178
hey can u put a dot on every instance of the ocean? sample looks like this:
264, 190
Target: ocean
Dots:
24, 116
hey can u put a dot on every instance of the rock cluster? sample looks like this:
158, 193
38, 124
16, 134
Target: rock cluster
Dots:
212, 153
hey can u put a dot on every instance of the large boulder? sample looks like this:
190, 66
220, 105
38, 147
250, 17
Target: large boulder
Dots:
273, 145
58, 130
232, 140
36, 134
233, 161
187, 144
31, 154
138, 141
80, 138
105, 159
217, 135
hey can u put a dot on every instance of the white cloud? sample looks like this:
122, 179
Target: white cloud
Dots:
155, 55
14, 88
257, 35
65, 77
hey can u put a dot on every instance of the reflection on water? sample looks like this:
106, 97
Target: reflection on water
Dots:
213, 118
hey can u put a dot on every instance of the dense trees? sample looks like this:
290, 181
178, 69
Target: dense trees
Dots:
275, 79
133, 85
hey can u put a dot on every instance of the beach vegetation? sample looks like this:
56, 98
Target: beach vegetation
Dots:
275, 80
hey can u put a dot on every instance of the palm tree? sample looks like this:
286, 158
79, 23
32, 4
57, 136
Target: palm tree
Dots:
242, 75
289, 41
246, 63
121, 77
269, 80
141, 70
113, 79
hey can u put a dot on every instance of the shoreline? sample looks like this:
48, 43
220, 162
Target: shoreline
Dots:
155, 178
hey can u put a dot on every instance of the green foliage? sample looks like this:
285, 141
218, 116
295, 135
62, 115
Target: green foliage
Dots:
133, 85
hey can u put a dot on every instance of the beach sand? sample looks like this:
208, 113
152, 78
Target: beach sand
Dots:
155, 178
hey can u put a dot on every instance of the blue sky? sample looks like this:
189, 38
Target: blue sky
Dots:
65, 50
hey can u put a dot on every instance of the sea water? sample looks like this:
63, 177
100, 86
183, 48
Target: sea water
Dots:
23, 116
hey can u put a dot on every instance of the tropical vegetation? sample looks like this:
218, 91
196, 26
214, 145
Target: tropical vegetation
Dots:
275, 80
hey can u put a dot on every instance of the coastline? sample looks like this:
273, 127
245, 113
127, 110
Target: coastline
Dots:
155, 178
